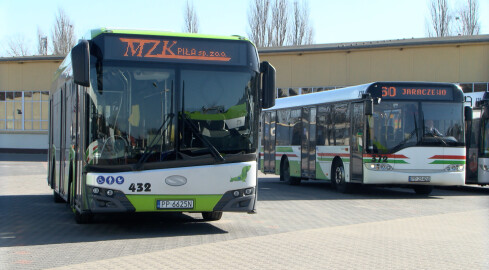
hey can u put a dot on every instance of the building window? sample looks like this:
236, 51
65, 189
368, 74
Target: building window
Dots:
480, 87
293, 92
24, 110
474, 87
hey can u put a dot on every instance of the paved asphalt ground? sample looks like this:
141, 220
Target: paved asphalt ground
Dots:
297, 227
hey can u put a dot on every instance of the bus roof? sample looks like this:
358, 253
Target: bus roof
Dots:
341, 94
347, 93
99, 31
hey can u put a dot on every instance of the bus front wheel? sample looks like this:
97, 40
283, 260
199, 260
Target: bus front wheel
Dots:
423, 190
83, 218
211, 216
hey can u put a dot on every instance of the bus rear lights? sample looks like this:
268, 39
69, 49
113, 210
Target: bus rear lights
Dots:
109, 192
96, 191
484, 167
455, 168
380, 167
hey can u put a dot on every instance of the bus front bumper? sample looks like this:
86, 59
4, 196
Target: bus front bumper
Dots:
438, 178
103, 201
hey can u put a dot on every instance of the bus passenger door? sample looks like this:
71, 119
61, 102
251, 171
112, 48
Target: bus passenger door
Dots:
357, 143
269, 142
308, 143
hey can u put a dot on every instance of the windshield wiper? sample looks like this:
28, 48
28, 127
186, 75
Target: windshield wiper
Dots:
195, 130
209, 145
150, 148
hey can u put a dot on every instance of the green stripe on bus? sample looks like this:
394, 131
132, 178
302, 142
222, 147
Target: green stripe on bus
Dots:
147, 203
284, 149
448, 162
95, 32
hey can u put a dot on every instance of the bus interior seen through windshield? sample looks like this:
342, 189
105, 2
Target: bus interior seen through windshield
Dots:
396, 125
138, 114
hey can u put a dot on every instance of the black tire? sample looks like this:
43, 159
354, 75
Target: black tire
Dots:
211, 216
57, 198
285, 175
338, 178
423, 190
83, 218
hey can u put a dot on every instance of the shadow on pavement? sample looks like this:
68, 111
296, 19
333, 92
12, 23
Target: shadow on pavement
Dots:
272, 189
37, 220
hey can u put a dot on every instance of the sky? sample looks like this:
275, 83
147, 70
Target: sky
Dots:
335, 21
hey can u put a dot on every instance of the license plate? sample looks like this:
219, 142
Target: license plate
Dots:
419, 178
174, 204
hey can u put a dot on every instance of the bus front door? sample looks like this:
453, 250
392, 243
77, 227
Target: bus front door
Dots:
308, 144
269, 142
357, 141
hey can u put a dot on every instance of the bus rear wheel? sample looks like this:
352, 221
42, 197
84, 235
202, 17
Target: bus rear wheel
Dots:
57, 198
211, 216
423, 190
285, 174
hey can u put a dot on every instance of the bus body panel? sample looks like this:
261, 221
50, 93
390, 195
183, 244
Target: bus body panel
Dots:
362, 140
417, 161
483, 174
325, 156
223, 186
293, 154
204, 184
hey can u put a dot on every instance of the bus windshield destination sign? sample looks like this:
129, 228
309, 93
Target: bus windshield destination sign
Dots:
173, 49
424, 93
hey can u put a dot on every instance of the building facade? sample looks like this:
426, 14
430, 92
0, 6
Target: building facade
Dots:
306, 69
25, 82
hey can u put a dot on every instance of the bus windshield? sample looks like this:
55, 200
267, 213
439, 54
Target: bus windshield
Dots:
162, 113
396, 125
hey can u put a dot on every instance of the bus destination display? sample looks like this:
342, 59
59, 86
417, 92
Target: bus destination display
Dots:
174, 49
416, 92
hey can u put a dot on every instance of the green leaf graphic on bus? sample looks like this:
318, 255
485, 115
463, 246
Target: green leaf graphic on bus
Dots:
243, 176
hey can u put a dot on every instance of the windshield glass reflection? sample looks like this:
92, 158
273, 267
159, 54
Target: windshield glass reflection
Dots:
143, 115
397, 125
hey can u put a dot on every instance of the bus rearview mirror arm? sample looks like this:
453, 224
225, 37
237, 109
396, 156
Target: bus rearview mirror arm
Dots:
468, 113
268, 85
80, 60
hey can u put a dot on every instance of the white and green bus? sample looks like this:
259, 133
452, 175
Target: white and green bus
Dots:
383, 133
478, 140
148, 121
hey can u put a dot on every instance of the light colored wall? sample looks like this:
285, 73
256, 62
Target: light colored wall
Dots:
439, 63
24, 141
27, 76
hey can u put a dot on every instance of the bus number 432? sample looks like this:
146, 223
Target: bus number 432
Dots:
140, 187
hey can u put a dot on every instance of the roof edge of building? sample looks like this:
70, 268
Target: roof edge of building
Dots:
33, 58
376, 44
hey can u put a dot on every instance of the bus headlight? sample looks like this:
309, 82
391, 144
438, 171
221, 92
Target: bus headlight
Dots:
380, 167
484, 167
455, 168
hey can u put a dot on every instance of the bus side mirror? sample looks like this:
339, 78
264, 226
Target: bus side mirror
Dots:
80, 60
468, 113
268, 85
368, 106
